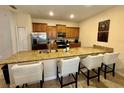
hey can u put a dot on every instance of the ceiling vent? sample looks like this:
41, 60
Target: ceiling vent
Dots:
12, 6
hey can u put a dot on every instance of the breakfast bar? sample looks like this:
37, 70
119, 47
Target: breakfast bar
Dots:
50, 59
38, 55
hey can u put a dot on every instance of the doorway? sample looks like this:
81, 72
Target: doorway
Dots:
22, 39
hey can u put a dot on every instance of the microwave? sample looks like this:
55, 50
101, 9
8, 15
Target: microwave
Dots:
61, 34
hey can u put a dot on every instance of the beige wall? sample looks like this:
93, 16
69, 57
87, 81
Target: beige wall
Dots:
54, 22
89, 30
8, 38
5, 34
24, 20
20, 20
13, 31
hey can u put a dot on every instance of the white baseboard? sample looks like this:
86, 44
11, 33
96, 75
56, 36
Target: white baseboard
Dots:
122, 74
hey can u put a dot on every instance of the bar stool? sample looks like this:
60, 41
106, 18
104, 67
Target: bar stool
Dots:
28, 73
109, 59
91, 63
68, 67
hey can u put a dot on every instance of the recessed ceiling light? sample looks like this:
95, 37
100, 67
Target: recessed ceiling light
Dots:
72, 16
51, 13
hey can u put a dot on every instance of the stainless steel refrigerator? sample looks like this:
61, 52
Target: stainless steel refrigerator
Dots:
39, 40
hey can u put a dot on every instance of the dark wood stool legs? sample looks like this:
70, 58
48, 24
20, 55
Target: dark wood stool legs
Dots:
17, 86
75, 76
41, 83
99, 74
88, 72
105, 71
76, 79
112, 70
61, 81
90, 77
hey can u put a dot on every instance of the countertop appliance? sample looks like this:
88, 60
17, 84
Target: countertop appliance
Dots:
39, 40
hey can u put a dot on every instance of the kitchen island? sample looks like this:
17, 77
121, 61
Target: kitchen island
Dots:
38, 55
50, 59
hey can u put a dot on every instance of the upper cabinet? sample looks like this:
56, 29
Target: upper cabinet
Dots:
71, 32
61, 28
39, 27
76, 32
51, 32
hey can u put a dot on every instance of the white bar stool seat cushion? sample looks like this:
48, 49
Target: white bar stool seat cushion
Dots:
91, 62
110, 58
67, 66
27, 73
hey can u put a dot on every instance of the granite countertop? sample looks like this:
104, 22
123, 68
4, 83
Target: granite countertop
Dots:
30, 56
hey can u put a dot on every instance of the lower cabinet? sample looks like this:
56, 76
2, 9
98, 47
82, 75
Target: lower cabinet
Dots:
39, 46
74, 45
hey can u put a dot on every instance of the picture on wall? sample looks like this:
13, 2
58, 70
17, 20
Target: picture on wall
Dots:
103, 31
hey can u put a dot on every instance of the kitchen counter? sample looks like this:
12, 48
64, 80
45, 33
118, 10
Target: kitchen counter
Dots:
34, 55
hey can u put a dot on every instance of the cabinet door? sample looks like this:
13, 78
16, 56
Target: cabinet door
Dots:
76, 32
43, 27
64, 28
61, 28
67, 32
72, 32
39, 27
36, 27
54, 33
51, 31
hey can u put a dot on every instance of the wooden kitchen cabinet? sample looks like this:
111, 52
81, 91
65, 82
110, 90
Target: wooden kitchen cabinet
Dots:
76, 32
39, 27
51, 32
61, 28
67, 32
74, 45
72, 32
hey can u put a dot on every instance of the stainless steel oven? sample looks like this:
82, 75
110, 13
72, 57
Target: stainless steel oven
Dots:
61, 40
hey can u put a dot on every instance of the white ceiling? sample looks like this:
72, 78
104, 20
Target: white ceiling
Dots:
62, 12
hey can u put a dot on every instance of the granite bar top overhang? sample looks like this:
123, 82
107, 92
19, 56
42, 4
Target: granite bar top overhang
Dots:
33, 56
